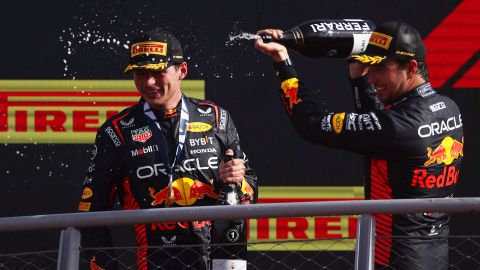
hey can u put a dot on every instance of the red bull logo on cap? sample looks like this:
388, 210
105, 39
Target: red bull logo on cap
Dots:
446, 152
186, 192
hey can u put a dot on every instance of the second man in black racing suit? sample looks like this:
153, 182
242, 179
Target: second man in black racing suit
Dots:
414, 142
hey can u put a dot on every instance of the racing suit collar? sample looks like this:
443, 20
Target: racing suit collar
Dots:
165, 114
423, 90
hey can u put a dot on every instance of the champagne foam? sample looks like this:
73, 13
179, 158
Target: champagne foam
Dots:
239, 36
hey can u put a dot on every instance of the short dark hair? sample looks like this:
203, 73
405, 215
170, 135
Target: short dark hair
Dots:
422, 67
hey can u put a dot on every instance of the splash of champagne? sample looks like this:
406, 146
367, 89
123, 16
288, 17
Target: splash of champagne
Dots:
238, 36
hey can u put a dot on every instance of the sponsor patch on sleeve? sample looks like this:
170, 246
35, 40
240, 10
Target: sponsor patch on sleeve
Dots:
358, 122
337, 122
222, 125
113, 136
326, 126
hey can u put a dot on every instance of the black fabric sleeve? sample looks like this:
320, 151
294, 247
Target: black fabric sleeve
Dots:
364, 133
233, 141
365, 97
99, 191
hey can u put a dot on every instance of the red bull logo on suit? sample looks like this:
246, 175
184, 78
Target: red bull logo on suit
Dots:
186, 192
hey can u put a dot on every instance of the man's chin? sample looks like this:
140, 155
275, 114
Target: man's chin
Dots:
152, 95
155, 103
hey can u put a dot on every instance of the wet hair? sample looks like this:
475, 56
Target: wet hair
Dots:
422, 67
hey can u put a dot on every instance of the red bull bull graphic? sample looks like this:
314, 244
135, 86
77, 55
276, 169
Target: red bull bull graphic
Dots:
446, 152
199, 190
247, 190
164, 196
66, 111
186, 192
290, 89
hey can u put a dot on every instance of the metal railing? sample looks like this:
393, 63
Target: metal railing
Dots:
69, 248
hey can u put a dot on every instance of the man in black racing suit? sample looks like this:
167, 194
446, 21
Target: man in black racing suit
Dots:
165, 151
412, 136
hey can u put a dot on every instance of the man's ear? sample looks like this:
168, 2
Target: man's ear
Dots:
183, 70
412, 67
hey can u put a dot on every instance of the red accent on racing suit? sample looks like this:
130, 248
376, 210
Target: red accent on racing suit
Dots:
414, 150
127, 159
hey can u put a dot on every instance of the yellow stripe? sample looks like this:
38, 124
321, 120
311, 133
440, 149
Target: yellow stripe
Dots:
287, 192
75, 99
76, 85
316, 245
192, 88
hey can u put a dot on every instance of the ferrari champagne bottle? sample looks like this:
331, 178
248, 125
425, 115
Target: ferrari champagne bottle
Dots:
325, 38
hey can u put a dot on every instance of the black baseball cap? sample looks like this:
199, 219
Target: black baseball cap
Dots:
155, 50
393, 39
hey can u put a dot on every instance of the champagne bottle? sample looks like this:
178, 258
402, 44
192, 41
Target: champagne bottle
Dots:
232, 233
325, 38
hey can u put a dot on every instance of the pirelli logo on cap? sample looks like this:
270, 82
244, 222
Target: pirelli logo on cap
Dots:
380, 40
150, 47
66, 111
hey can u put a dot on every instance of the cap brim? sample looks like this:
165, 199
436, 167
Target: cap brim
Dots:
368, 59
152, 66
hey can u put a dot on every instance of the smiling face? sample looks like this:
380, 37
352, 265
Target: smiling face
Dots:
161, 89
390, 80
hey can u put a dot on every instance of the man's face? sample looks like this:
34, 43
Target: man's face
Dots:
389, 79
160, 88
